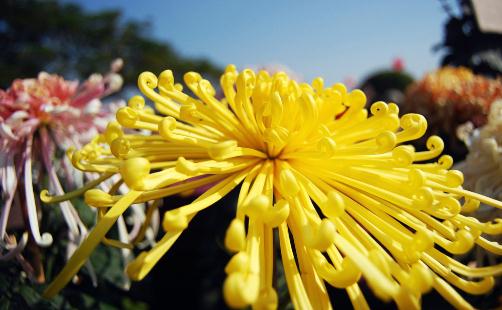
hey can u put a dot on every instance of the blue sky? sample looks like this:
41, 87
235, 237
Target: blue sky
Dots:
332, 39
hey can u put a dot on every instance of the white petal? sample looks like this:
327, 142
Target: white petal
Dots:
17, 118
93, 107
9, 177
6, 132
45, 239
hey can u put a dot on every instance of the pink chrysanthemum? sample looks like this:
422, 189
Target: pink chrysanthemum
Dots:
37, 117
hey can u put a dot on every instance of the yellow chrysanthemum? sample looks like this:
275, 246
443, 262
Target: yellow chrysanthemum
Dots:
347, 197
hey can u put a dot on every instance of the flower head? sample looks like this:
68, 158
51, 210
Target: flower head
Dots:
37, 118
482, 168
483, 165
451, 96
348, 198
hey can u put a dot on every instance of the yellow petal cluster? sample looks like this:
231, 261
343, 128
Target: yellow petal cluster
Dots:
346, 196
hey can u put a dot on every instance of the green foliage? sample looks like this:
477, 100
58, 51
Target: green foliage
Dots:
383, 85
385, 80
18, 292
64, 39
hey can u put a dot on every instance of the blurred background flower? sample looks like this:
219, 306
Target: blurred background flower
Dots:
449, 97
39, 119
482, 167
